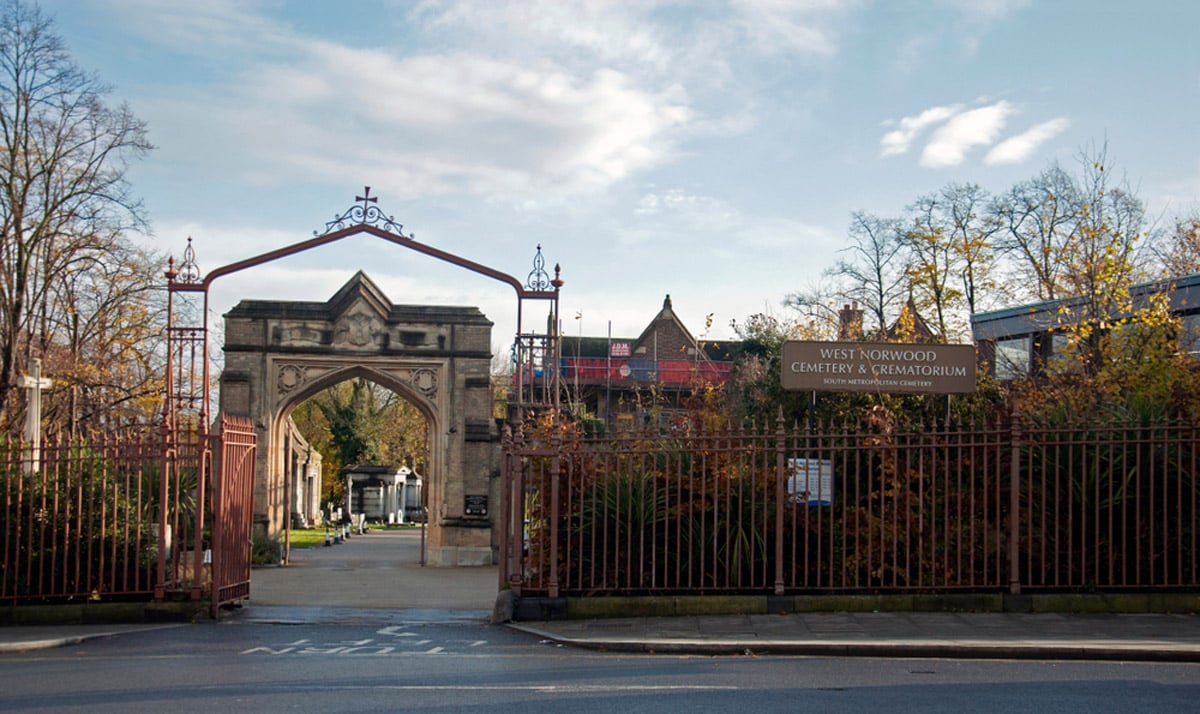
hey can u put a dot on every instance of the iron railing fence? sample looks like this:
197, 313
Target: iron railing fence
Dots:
851, 508
1108, 505
100, 517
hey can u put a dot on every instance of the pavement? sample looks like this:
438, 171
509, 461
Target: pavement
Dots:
1168, 638
377, 578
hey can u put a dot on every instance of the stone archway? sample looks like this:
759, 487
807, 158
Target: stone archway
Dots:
278, 354
437, 357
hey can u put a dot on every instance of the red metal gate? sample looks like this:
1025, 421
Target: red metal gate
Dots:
232, 500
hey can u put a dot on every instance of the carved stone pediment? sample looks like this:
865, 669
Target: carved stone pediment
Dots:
359, 330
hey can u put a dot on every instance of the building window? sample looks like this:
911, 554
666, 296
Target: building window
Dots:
1189, 335
1059, 359
1012, 358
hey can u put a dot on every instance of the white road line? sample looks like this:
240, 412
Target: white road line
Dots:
553, 688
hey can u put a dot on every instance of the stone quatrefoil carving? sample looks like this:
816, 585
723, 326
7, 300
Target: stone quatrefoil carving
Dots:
422, 379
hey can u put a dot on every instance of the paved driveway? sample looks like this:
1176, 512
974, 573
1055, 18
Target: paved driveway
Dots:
378, 570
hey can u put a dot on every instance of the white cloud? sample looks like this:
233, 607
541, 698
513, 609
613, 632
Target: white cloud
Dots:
787, 236
217, 245
986, 10
213, 28
805, 27
956, 131
911, 54
1016, 149
431, 123
512, 100
899, 140
549, 99
632, 34
610, 33
706, 209
964, 131
701, 231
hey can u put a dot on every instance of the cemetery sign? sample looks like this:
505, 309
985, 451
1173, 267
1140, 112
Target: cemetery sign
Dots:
878, 367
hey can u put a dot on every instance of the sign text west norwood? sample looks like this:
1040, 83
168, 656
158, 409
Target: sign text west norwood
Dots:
878, 367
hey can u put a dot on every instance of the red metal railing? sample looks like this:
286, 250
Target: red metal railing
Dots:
94, 518
862, 508
633, 370
110, 515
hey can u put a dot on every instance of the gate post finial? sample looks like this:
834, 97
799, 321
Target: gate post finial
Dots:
538, 278
188, 271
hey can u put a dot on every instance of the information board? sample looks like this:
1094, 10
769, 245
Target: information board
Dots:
811, 481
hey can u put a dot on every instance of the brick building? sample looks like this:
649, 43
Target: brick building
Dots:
624, 381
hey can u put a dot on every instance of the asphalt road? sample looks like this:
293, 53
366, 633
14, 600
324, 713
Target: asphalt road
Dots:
444, 663
361, 627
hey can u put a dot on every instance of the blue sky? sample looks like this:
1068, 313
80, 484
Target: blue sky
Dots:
710, 150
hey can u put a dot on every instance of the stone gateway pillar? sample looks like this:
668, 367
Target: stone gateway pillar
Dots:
278, 354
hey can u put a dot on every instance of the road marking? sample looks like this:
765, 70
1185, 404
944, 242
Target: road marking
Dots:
395, 631
268, 650
554, 688
354, 647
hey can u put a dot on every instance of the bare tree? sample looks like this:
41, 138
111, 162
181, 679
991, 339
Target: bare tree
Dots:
1075, 236
971, 230
937, 261
1079, 239
1037, 218
1101, 260
103, 340
1181, 255
64, 198
873, 271
817, 308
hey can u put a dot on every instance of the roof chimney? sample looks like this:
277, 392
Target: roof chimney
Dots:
850, 322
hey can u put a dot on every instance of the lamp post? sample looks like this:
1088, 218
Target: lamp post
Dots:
578, 352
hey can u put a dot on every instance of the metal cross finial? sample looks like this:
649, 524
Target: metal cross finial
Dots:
363, 213
366, 197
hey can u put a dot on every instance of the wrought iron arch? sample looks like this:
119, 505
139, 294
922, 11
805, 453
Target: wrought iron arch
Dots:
188, 379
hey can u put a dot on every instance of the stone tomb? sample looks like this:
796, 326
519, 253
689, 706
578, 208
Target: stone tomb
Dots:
278, 354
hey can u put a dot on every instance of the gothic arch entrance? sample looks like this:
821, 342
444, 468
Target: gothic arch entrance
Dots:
278, 354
